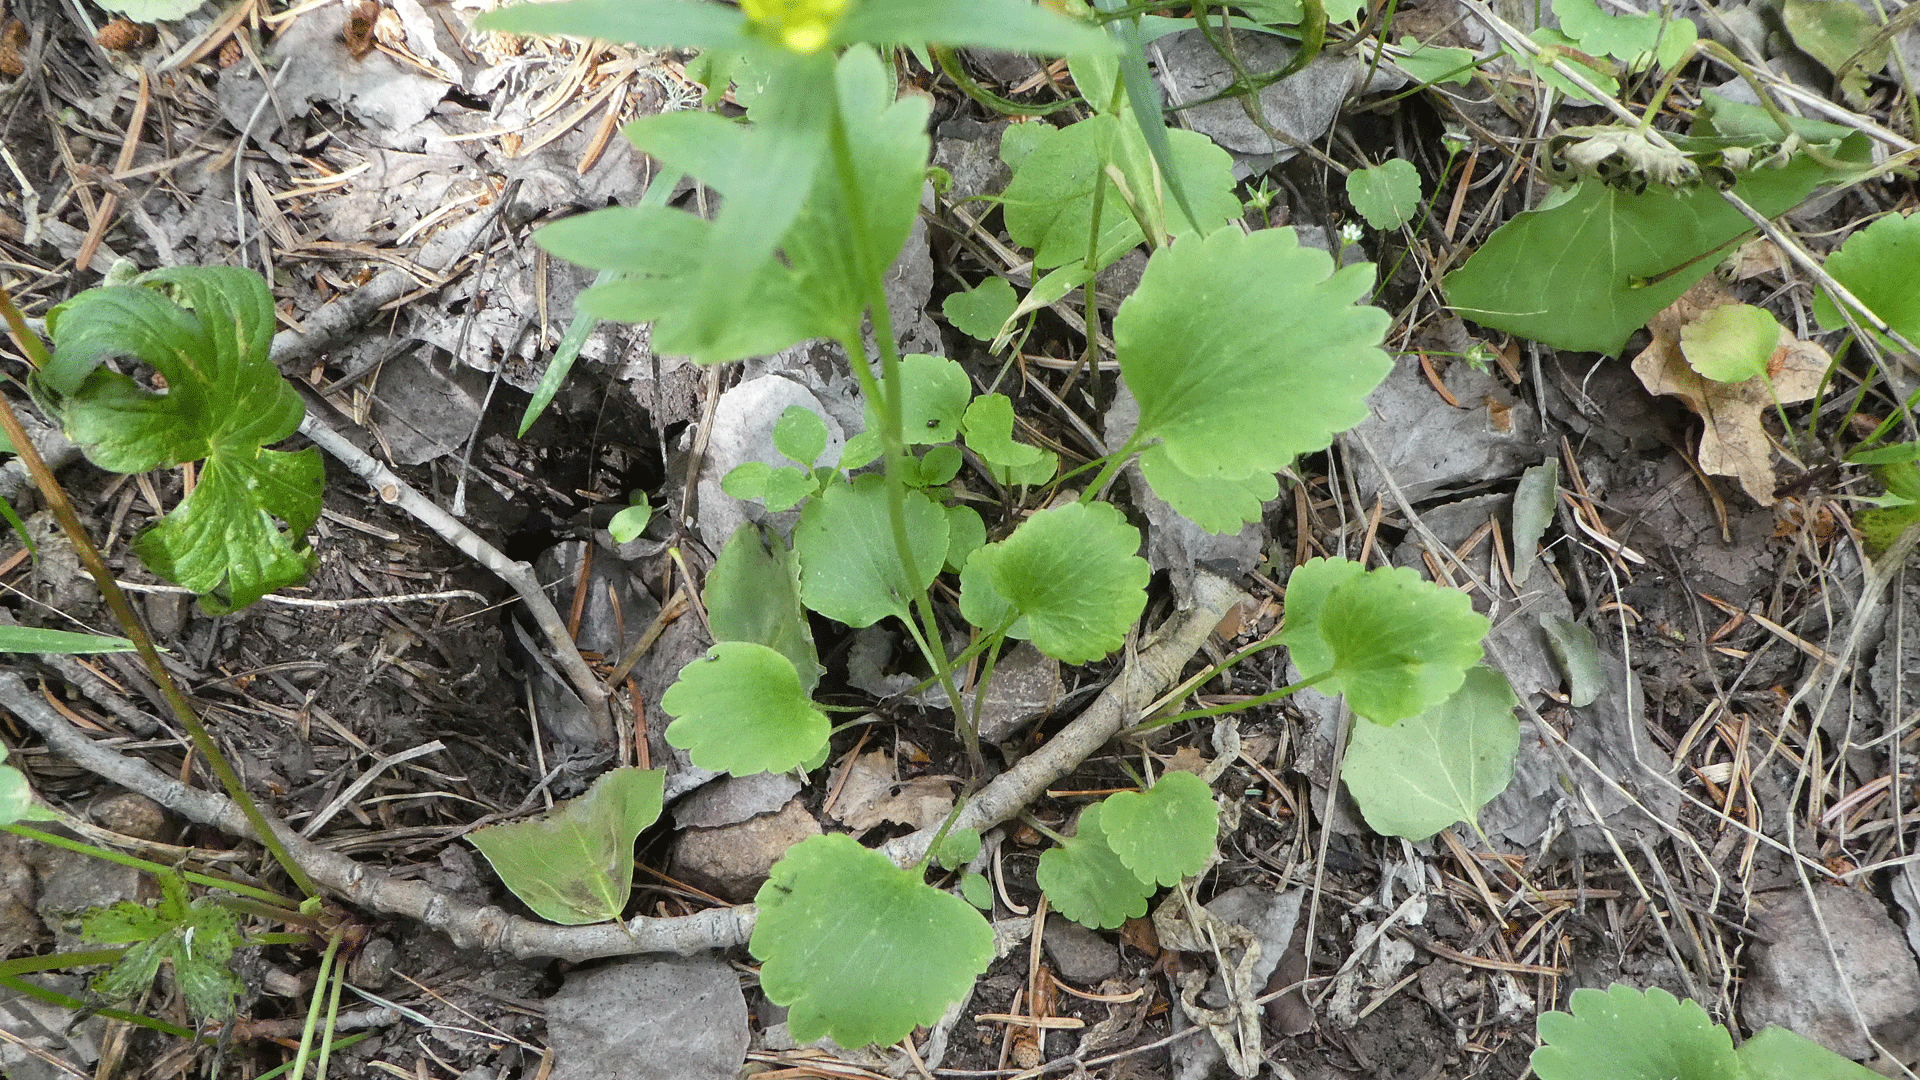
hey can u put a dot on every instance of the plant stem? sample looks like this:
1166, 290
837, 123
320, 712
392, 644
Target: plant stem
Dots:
313, 1009
123, 613
1234, 706
1115, 461
279, 903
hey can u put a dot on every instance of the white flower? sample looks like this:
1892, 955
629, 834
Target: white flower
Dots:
1350, 233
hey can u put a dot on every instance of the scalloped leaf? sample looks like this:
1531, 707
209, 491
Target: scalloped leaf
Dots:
981, 311
1216, 504
1730, 343
934, 392
832, 914
1387, 194
741, 710
1211, 364
1393, 643
575, 865
1777, 1053
989, 430
1626, 1034
753, 594
1878, 265
1071, 573
1429, 771
779, 487
800, 435
1165, 833
966, 532
849, 569
1086, 881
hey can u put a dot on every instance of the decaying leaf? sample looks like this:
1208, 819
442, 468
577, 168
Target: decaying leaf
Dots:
1733, 441
869, 795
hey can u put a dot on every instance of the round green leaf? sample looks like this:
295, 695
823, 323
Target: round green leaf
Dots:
1878, 265
966, 532
980, 603
1072, 574
1400, 644
753, 594
1731, 343
981, 311
849, 569
1387, 194
976, 890
630, 522
989, 428
958, 848
1216, 504
1247, 350
801, 435
1779, 1054
741, 710
16, 798
1085, 881
934, 392
1307, 591
1428, 771
832, 915
1163, 834
1626, 1034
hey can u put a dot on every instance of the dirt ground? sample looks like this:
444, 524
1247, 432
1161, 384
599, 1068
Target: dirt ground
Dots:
1728, 818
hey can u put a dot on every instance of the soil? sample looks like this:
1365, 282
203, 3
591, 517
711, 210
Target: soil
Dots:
1717, 617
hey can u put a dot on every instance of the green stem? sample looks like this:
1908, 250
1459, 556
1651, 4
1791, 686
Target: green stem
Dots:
123, 613
950, 64
1235, 706
1115, 462
1036, 825
28, 832
54, 997
313, 1009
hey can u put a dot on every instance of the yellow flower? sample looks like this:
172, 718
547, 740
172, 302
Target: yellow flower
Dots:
801, 25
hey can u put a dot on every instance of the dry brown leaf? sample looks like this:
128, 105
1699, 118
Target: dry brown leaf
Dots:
869, 796
1733, 441
1188, 759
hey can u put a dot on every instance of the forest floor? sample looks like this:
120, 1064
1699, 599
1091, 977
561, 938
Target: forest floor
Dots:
1727, 814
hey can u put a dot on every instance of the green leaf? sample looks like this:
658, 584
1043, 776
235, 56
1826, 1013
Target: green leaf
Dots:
630, 522
849, 568
1632, 38
207, 331
780, 488
1429, 771
957, 848
1085, 881
966, 532
1578, 654
801, 435
989, 428
753, 594
655, 24
1882, 526
1013, 25
1876, 264
832, 914
1216, 504
981, 311
1555, 45
1049, 204
1534, 501
939, 465
1626, 1034
16, 796
976, 891
742, 710
1886, 455
933, 398
1430, 64
133, 972
1072, 574
32, 639
1387, 194
1586, 273
1163, 834
1776, 1053
152, 11
575, 865
1833, 33
1731, 343
124, 923
1394, 644
1223, 328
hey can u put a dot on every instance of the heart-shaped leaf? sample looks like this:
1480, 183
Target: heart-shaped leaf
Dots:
1163, 834
1426, 772
1071, 574
1085, 881
832, 915
849, 568
741, 710
1387, 194
575, 865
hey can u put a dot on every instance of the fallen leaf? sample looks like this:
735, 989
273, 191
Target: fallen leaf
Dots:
1734, 441
1188, 759
870, 796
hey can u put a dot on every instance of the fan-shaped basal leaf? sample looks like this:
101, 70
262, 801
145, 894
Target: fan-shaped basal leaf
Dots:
1085, 881
1307, 590
1400, 644
1072, 574
1586, 272
1247, 350
980, 603
1387, 194
989, 427
1878, 265
741, 710
966, 532
753, 594
1163, 834
575, 865
1216, 504
933, 399
1626, 1034
979, 312
207, 330
833, 915
1730, 343
1429, 771
849, 568
1632, 38
800, 435
1779, 1054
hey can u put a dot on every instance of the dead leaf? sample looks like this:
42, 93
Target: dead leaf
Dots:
1188, 759
869, 795
1734, 440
